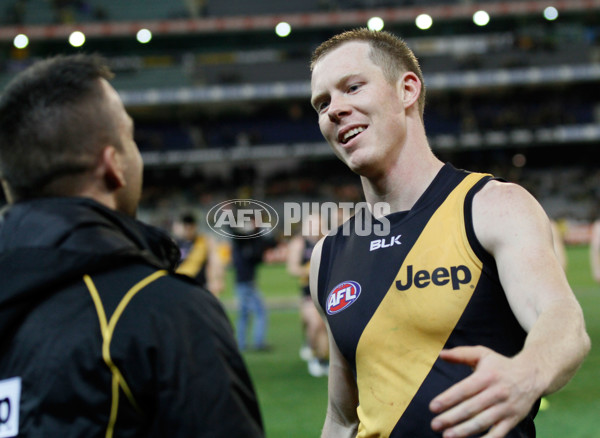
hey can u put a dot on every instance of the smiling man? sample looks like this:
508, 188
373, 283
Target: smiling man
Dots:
460, 328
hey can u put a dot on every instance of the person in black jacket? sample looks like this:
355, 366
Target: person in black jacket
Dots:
98, 336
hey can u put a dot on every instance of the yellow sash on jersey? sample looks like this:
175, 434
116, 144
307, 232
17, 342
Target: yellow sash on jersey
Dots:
196, 258
403, 339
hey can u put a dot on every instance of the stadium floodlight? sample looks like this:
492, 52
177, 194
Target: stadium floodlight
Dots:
375, 23
77, 39
424, 21
283, 29
550, 13
21, 41
143, 36
481, 18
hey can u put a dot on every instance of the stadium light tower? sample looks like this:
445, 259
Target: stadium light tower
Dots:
21, 41
375, 23
424, 21
144, 36
283, 29
77, 39
550, 13
481, 18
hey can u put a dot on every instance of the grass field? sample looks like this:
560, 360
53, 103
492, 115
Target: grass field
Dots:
293, 403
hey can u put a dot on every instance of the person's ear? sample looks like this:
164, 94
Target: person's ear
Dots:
410, 89
112, 168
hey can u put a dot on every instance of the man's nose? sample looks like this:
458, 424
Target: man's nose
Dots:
338, 108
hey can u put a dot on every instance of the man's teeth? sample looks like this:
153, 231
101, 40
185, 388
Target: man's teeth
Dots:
352, 133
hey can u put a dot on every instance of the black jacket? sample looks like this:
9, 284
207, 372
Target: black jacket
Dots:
105, 339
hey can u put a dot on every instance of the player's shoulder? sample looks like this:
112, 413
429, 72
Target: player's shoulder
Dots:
503, 209
501, 197
317, 251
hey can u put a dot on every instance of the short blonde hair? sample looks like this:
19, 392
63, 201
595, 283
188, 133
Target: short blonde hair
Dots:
388, 51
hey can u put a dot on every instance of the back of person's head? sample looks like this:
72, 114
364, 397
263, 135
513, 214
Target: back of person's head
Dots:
188, 219
388, 51
53, 125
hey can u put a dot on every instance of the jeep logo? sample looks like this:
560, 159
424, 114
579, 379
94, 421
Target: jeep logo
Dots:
457, 275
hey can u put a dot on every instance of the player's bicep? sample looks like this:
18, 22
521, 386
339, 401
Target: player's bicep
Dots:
513, 227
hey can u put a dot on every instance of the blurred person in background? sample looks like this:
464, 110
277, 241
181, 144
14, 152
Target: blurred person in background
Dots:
247, 255
200, 258
316, 348
595, 250
98, 335
460, 318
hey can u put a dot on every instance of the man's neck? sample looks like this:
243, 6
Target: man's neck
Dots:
403, 184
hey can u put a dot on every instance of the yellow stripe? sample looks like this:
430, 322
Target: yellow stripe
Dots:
403, 339
97, 303
114, 408
111, 328
107, 330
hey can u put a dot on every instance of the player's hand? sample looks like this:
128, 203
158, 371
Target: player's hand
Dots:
494, 399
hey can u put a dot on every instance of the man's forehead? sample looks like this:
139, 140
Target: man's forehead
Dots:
348, 59
349, 50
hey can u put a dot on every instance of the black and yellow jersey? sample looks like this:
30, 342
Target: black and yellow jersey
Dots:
194, 259
394, 302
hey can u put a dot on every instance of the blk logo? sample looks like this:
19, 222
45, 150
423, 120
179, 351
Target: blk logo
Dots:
455, 275
385, 243
342, 296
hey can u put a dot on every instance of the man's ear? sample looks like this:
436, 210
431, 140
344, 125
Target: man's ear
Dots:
410, 89
112, 168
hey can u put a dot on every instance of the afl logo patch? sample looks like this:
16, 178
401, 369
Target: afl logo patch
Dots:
342, 296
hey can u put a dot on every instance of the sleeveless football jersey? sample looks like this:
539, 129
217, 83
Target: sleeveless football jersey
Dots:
393, 302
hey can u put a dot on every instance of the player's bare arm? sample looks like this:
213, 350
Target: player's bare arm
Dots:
512, 226
341, 420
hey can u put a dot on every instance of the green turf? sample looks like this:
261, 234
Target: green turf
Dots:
293, 403
573, 412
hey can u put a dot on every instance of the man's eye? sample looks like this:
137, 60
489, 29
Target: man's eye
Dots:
322, 106
353, 87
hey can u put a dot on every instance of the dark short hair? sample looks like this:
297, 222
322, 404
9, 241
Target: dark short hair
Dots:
188, 219
388, 51
53, 123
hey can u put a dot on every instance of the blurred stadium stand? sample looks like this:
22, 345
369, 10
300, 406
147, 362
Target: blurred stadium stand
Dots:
221, 102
